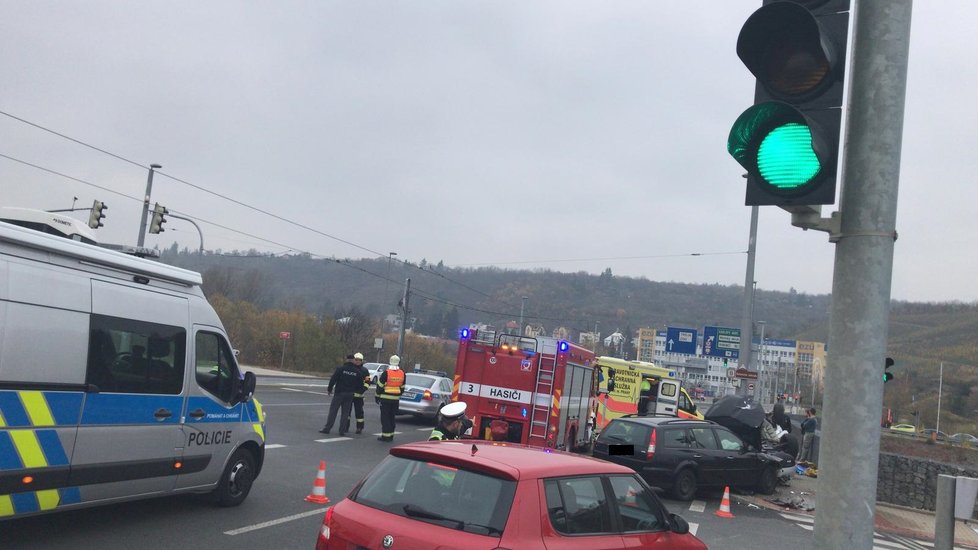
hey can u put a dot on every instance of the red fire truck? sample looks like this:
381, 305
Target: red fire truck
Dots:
537, 391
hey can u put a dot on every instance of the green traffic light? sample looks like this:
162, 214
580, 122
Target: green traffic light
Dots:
785, 158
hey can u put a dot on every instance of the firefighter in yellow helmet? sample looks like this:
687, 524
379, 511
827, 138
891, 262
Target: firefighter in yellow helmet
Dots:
389, 386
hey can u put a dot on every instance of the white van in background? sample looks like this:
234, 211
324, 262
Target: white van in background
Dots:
117, 381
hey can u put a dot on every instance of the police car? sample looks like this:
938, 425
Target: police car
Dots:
424, 393
117, 380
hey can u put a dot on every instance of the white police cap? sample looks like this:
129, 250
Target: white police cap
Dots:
454, 410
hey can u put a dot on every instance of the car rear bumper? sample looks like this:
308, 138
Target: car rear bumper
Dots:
421, 407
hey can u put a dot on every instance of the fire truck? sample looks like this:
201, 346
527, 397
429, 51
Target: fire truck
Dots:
537, 391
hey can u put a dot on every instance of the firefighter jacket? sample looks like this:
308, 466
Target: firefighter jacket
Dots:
390, 383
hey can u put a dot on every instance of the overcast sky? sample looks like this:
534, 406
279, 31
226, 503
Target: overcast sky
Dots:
574, 136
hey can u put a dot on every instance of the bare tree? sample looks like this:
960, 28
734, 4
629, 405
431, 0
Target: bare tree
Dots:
355, 329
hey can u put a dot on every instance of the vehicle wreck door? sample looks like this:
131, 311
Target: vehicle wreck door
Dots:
668, 398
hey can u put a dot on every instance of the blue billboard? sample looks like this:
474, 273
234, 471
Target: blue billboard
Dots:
721, 342
681, 340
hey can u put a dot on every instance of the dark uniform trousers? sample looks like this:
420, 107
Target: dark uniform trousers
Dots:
342, 401
358, 411
388, 410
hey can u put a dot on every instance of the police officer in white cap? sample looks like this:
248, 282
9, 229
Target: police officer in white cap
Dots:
452, 422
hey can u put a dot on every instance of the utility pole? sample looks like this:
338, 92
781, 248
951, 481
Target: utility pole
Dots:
862, 276
747, 319
522, 305
762, 380
404, 314
149, 191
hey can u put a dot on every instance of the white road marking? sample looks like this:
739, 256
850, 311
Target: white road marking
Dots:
273, 446
805, 519
273, 522
423, 429
693, 527
306, 391
380, 434
697, 506
332, 439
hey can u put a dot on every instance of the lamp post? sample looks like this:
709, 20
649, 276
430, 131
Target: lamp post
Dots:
522, 305
387, 285
760, 357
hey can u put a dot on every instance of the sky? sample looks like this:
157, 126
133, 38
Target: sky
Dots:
565, 135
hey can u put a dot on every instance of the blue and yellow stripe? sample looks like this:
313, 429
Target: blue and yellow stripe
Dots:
29, 441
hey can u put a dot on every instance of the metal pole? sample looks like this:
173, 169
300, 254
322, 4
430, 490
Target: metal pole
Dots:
762, 379
149, 191
201, 233
940, 388
853, 398
747, 319
522, 305
944, 512
404, 313
281, 364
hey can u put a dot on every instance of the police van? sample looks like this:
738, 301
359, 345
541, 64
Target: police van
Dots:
117, 381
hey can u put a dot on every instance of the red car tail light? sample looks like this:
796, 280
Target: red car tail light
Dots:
427, 395
650, 452
323, 541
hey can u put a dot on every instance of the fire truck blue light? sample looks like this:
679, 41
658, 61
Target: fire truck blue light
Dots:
563, 346
464, 334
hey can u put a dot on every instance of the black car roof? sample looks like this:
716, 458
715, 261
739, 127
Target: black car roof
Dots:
664, 420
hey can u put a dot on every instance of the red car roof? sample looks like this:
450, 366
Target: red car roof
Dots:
507, 460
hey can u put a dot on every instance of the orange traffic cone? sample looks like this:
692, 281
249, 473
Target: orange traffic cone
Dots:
318, 494
724, 511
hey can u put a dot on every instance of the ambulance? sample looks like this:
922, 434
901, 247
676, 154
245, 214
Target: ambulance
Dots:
117, 381
620, 391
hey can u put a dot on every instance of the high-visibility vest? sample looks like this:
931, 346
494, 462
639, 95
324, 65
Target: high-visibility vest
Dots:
395, 379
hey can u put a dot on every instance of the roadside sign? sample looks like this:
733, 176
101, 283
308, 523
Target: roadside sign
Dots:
721, 342
744, 373
750, 386
731, 373
285, 335
681, 340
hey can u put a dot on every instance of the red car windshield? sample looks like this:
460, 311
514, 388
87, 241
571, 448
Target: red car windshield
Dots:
439, 494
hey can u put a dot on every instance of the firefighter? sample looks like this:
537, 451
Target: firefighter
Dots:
452, 422
358, 394
388, 390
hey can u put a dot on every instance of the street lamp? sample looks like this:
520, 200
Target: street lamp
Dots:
760, 358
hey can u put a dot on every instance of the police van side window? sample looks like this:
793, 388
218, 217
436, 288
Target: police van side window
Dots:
128, 356
216, 372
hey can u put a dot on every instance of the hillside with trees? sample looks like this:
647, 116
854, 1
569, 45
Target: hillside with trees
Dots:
331, 306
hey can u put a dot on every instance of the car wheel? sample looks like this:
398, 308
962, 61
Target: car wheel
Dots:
768, 481
684, 486
236, 480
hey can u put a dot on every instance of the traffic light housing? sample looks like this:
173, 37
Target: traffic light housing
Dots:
887, 375
156, 225
788, 141
97, 215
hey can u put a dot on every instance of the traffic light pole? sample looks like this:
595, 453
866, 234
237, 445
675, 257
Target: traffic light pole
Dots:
747, 320
141, 239
862, 276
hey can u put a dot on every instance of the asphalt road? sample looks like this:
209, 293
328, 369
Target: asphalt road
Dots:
275, 514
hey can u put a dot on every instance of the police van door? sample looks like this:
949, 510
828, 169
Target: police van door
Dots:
129, 438
668, 397
215, 425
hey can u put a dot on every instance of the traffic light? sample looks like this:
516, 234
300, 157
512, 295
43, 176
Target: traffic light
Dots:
98, 213
156, 226
887, 376
788, 141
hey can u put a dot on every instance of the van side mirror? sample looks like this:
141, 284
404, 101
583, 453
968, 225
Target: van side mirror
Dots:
247, 388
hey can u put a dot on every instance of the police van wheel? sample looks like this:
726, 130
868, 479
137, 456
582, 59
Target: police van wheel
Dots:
237, 479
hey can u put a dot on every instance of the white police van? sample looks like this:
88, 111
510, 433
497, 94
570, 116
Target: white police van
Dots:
117, 381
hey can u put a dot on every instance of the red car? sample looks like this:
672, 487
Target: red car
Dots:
497, 496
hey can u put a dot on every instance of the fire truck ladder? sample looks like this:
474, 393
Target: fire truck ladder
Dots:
540, 417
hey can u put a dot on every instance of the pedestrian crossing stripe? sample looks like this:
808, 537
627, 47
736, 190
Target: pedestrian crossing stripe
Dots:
697, 506
693, 527
274, 446
879, 542
332, 439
